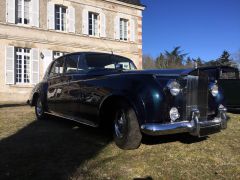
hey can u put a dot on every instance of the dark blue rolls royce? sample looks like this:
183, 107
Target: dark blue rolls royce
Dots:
105, 89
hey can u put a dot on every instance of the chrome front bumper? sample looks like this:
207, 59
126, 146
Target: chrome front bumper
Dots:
194, 127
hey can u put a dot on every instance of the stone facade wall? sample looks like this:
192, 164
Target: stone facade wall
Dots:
43, 38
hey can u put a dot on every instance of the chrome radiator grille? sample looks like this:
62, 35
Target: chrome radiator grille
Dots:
197, 96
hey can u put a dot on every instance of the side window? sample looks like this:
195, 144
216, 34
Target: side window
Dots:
126, 63
71, 65
57, 67
75, 64
228, 74
82, 66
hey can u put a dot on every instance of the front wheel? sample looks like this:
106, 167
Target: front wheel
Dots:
127, 134
39, 110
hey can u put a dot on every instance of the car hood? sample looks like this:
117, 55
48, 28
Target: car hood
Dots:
164, 72
157, 72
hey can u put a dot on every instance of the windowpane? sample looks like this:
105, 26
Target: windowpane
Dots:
72, 64
123, 29
57, 67
96, 61
23, 11
93, 23
19, 11
64, 18
60, 18
22, 65
26, 11
228, 74
57, 17
105, 61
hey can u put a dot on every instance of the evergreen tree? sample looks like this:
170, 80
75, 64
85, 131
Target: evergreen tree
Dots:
225, 59
189, 63
160, 62
175, 58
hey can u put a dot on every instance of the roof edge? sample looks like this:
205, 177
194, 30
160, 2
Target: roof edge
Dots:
140, 6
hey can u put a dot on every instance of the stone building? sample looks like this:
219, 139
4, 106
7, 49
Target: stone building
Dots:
34, 32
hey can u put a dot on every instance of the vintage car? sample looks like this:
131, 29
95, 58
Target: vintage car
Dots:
105, 89
228, 80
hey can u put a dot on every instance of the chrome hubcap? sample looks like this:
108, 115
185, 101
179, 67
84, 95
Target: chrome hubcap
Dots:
39, 108
119, 124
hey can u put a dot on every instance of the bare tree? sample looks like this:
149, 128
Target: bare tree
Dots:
148, 62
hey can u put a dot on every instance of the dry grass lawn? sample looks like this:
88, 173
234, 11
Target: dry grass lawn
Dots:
59, 149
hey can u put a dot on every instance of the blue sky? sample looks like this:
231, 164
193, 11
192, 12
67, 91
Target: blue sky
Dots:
203, 28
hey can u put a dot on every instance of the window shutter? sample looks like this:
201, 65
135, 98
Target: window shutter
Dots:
50, 15
85, 22
35, 13
71, 19
48, 57
103, 25
35, 65
132, 30
9, 64
117, 27
10, 12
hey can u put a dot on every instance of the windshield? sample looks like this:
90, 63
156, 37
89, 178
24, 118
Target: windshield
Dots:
106, 61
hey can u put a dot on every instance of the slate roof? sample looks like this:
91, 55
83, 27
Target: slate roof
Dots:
135, 2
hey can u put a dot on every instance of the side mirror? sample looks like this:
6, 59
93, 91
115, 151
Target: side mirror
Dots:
119, 66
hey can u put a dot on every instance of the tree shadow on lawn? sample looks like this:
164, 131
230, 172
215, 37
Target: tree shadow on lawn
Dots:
183, 138
49, 149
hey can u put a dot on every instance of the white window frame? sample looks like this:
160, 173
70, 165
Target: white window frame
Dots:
62, 25
57, 54
94, 17
22, 54
22, 12
123, 29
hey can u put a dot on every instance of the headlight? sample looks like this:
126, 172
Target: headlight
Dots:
174, 114
214, 90
174, 87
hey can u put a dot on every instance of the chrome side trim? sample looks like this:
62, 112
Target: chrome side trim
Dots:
78, 120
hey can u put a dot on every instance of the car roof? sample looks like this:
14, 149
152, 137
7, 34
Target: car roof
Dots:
89, 53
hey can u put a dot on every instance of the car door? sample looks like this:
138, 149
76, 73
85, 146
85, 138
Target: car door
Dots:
84, 89
230, 83
72, 89
56, 82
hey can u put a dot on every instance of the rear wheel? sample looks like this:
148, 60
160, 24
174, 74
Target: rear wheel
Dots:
39, 109
127, 134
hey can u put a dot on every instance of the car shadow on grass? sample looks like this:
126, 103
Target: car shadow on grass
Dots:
234, 111
49, 149
183, 138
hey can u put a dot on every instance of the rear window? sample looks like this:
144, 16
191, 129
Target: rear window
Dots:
99, 61
105, 61
212, 74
